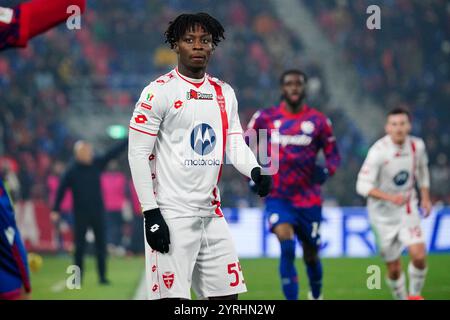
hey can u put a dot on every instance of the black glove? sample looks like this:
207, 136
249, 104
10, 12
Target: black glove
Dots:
263, 183
156, 230
320, 174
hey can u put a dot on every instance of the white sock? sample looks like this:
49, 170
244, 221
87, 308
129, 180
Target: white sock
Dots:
398, 287
416, 279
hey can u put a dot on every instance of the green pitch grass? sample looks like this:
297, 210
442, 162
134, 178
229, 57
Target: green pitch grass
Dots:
344, 278
49, 282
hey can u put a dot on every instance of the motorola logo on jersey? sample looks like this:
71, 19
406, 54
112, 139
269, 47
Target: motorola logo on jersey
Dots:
401, 178
203, 139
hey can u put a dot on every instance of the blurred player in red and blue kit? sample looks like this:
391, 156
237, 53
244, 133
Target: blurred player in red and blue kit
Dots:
294, 206
14, 273
17, 26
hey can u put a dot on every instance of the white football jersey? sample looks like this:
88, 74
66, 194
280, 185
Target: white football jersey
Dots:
191, 120
394, 169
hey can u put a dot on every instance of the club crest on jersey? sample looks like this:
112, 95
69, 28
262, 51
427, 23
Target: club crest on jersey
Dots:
307, 127
6, 15
196, 95
168, 278
10, 234
203, 139
401, 178
277, 124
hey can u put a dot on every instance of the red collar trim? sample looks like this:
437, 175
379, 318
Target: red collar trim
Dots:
289, 114
195, 84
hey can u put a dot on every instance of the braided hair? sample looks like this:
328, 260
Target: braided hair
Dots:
187, 22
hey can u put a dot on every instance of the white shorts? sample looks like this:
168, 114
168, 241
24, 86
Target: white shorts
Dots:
392, 238
201, 255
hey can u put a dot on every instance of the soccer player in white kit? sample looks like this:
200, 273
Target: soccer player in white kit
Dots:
182, 125
388, 177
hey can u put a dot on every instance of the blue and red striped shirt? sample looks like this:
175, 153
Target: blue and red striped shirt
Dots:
14, 27
14, 273
299, 137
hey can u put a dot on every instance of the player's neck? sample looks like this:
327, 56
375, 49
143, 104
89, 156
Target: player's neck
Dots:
294, 109
191, 73
398, 143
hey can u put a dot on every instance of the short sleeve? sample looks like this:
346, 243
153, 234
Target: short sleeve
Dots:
368, 175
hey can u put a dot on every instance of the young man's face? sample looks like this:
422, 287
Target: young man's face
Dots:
194, 48
398, 127
293, 89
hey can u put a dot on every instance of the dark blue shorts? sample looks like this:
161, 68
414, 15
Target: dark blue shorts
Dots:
306, 221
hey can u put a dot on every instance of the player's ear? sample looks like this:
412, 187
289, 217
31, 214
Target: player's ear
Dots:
408, 126
176, 48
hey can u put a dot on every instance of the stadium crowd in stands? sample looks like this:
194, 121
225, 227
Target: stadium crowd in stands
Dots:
404, 64
119, 48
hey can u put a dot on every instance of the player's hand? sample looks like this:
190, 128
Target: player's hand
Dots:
398, 199
263, 183
156, 230
54, 216
426, 206
252, 186
320, 174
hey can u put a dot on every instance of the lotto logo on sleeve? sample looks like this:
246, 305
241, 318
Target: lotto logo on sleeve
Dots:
140, 119
178, 104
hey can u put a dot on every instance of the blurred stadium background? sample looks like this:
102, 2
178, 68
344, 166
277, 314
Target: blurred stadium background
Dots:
83, 83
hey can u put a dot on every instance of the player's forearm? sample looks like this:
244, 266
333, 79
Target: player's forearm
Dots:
32, 18
425, 193
140, 148
44, 15
423, 177
240, 155
378, 194
332, 157
60, 192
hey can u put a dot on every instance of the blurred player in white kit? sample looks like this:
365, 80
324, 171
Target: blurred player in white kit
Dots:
388, 178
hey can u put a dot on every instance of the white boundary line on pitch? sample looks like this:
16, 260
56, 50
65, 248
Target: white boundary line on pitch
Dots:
140, 293
59, 286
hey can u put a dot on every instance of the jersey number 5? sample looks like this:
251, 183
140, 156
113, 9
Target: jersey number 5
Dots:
232, 270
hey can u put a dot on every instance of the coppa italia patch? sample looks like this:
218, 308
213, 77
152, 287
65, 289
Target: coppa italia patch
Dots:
150, 96
196, 95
